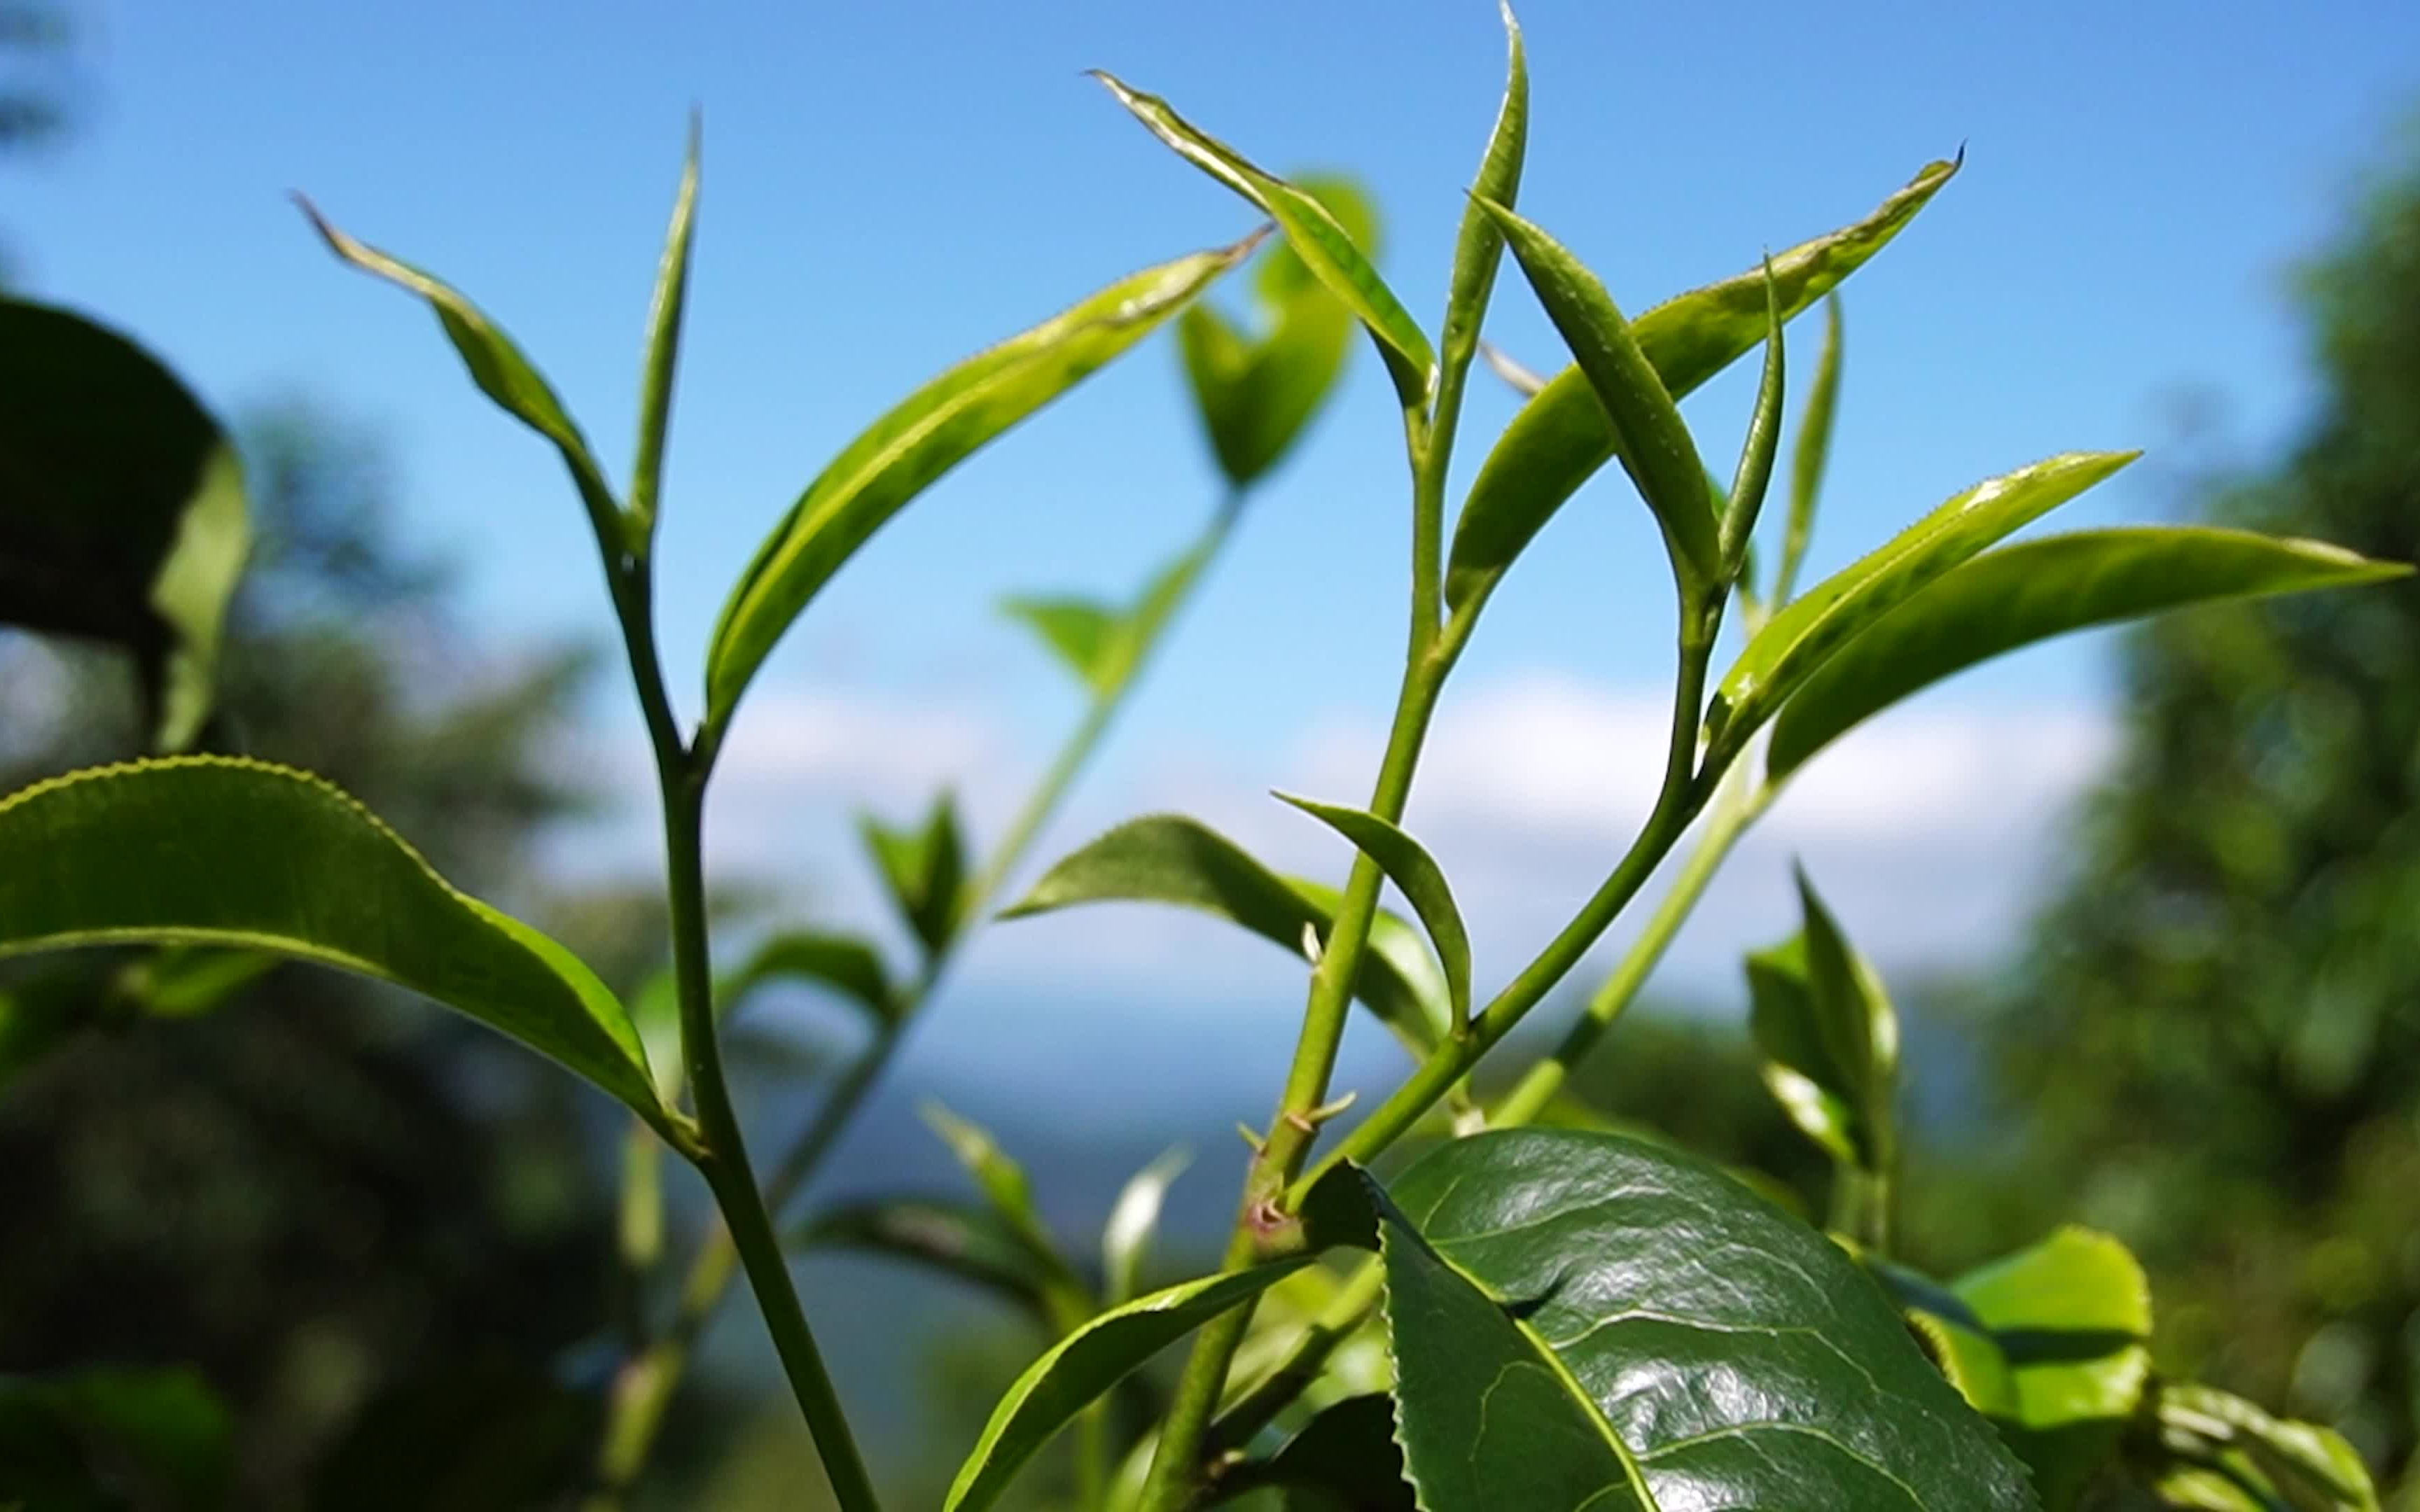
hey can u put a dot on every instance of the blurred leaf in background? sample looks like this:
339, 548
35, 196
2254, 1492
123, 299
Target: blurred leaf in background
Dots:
2216, 1033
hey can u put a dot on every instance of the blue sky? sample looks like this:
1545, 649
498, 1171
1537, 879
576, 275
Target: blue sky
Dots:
888, 188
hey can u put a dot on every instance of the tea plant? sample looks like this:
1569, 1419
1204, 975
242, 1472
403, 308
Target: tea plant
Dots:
1570, 1317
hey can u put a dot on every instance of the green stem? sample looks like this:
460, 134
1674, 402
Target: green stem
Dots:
1729, 815
636, 1411
1675, 805
1259, 1406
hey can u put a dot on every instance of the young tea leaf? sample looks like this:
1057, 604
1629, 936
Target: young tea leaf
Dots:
2032, 590
1171, 859
956, 1239
842, 964
1133, 1218
2073, 1316
1310, 229
1076, 630
1081, 1367
663, 348
1408, 865
926, 869
1479, 246
1562, 437
498, 368
122, 507
1739, 505
224, 852
1651, 438
923, 437
1583, 1319
1808, 453
1802, 636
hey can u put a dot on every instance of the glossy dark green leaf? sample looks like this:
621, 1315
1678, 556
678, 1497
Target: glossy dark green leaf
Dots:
122, 509
958, 1238
1172, 859
1078, 1370
1739, 505
1808, 453
1562, 1301
1811, 629
1562, 437
1345, 1459
498, 368
215, 850
1478, 245
1076, 630
663, 347
2032, 590
926, 869
842, 964
1256, 392
923, 437
1126, 1238
73, 1443
1408, 865
2073, 1318
1310, 229
1651, 438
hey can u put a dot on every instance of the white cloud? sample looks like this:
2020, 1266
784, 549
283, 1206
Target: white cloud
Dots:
1927, 830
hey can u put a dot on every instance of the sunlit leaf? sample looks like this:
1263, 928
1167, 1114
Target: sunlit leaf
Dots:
1082, 1367
2073, 1316
498, 368
1652, 442
1310, 229
1808, 632
663, 347
1257, 391
1562, 437
215, 850
1739, 505
2032, 590
1408, 865
1171, 859
2283, 1466
926, 869
1077, 631
122, 509
1478, 245
923, 437
1808, 453
1581, 1320
1133, 1219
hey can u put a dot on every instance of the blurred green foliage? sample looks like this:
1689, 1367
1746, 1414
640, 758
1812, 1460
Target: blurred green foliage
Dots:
2213, 1043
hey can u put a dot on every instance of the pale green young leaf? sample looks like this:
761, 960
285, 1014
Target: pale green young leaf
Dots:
1171, 859
922, 438
1739, 505
2287, 1466
1077, 631
1652, 441
663, 348
1081, 1367
926, 869
1256, 393
1799, 1070
1583, 1319
1561, 436
1126, 1238
122, 514
1310, 229
1408, 865
1478, 245
2073, 1316
1960, 1345
1802, 635
1808, 453
499, 369
217, 851
2032, 590
1001, 1176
